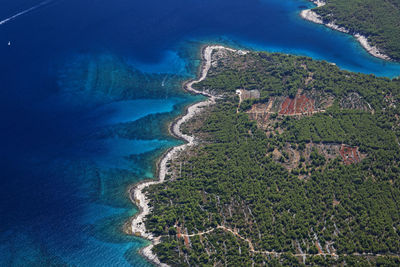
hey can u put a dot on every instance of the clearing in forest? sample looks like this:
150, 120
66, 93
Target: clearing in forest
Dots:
299, 105
350, 154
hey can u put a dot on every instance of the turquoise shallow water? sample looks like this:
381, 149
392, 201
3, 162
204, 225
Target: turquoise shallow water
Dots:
87, 88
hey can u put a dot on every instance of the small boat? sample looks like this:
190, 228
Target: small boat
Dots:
9, 43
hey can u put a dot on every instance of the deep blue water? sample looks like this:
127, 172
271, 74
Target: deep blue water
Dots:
87, 87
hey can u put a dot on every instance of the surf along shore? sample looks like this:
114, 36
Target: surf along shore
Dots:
137, 224
310, 15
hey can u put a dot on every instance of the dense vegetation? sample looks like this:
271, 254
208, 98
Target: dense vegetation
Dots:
255, 211
378, 20
280, 74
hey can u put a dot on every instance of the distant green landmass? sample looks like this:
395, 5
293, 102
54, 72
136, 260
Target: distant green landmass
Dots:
303, 170
378, 20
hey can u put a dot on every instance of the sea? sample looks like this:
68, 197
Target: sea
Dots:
87, 88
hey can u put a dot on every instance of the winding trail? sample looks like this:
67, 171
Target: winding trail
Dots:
274, 253
136, 193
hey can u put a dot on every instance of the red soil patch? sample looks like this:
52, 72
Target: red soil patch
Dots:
318, 247
180, 235
285, 105
178, 232
291, 107
304, 104
186, 241
298, 105
349, 154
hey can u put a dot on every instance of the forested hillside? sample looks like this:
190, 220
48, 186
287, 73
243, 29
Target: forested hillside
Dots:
274, 183
378, 20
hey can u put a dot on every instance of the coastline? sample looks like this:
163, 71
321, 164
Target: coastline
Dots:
310, 15
137, 223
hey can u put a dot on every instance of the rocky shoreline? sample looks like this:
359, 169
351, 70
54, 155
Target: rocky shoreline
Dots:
310, 15
137, 225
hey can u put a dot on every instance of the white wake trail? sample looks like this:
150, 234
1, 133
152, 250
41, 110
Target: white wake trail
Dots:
25, 11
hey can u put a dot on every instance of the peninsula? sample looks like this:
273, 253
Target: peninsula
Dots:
375, 24
290, 161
